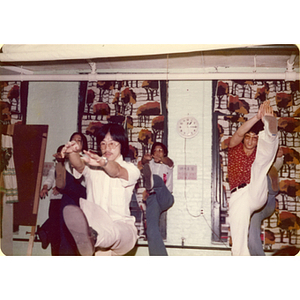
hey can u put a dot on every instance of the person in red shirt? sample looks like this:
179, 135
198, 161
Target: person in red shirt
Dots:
252, 150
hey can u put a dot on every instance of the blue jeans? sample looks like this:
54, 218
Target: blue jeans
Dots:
157, 203
254, 241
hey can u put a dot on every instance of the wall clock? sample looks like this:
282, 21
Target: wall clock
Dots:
188, 127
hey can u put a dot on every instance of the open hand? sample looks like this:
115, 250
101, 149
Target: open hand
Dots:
147, 157
70, 147
55, 191
43, 193
265, 110
58, 157
92, 159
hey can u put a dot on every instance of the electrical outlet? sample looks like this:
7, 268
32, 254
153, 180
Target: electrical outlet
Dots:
182, 241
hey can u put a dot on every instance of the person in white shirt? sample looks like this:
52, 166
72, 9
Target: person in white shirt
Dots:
158, 176
103, 222
49, 231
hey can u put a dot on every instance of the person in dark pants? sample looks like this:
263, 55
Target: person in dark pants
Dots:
72, 189
254, 240
158, 176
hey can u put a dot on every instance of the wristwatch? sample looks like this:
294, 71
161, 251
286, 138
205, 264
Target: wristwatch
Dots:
106, 160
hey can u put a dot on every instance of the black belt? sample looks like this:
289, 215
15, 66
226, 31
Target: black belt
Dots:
239, 187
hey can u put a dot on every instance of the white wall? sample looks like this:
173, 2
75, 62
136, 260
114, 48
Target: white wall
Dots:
191, 196
55, 104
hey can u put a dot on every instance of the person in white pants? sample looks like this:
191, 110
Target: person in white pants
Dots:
103, 221
250, 157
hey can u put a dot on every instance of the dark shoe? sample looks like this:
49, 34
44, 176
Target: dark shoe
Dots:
43, 236
287, 251
148, 178
78, 226
270, 123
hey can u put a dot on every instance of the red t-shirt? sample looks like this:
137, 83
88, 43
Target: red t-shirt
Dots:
239, 166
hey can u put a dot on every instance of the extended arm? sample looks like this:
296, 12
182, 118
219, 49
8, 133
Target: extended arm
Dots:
112, 168
146, 158
264, 109
242, 130
70, 150
165, 159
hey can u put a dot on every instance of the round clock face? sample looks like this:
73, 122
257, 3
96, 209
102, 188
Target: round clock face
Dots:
187, 127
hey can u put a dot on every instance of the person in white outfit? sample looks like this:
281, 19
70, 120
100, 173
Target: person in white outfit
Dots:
103, 221
250, 156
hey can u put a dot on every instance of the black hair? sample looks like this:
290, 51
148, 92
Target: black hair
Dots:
257, 127
117, 133
4, 119
83, 138
165, 149
59, 148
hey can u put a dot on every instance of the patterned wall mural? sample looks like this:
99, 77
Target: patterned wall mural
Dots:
13, 103
15, 94
234, 103
140, 107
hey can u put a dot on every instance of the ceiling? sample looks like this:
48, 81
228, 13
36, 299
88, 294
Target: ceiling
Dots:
77, 59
